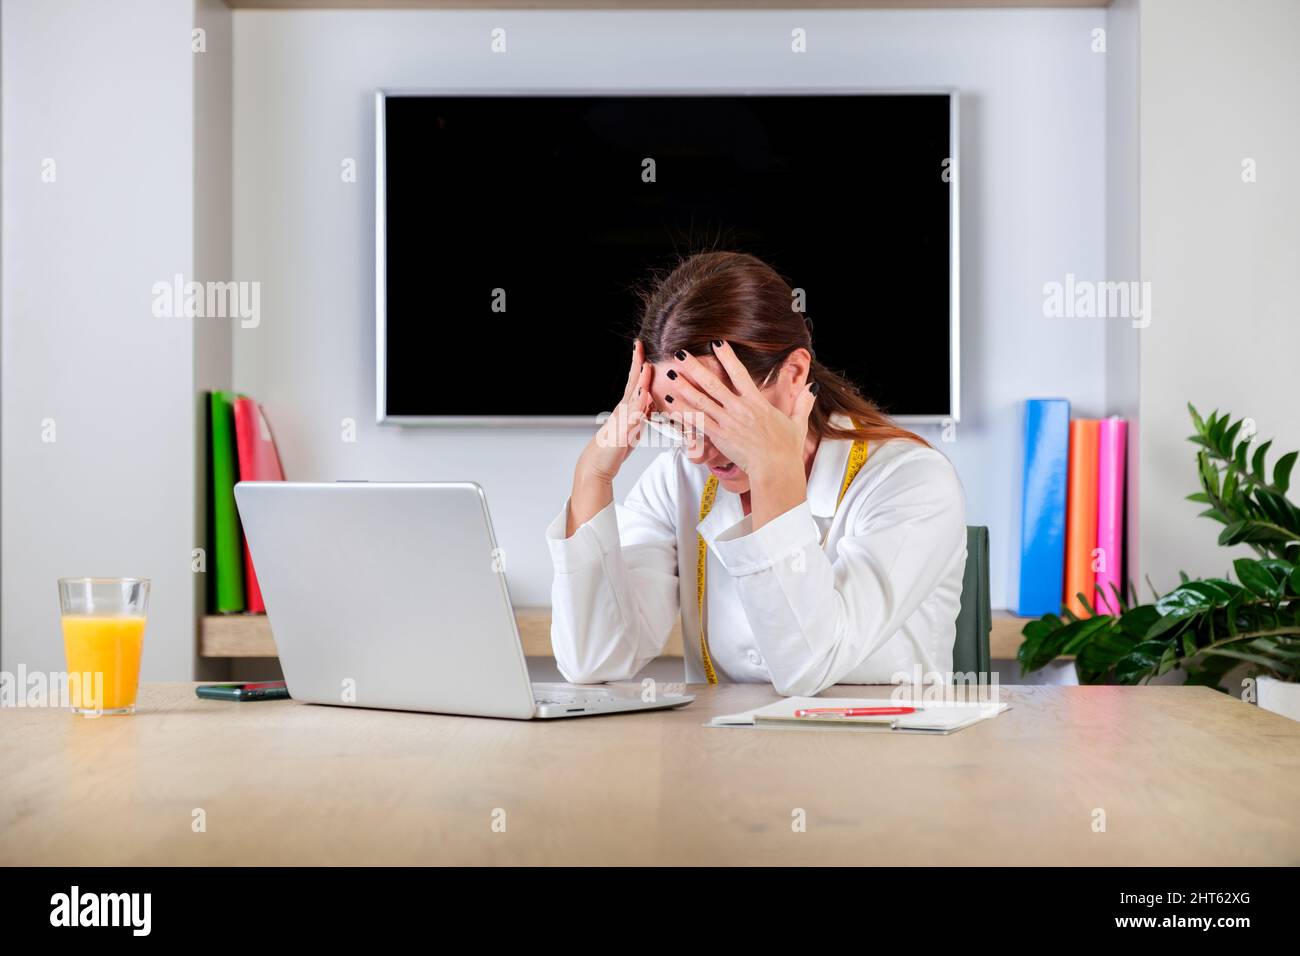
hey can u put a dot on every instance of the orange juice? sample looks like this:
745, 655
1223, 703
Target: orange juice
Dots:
108, 645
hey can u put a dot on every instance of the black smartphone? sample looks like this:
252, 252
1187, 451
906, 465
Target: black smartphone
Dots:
267, 690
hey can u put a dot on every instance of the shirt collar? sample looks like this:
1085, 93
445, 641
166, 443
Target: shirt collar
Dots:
827, 475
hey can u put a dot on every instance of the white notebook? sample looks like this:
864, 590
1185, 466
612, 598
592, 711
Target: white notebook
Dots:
931, 717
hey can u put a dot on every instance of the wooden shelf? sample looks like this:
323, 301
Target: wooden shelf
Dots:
235, 635
1005, 639
647, 4
249, 635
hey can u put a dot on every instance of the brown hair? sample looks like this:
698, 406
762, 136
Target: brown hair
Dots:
740, 298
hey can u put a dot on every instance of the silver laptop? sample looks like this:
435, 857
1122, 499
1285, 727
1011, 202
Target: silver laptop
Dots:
393, 595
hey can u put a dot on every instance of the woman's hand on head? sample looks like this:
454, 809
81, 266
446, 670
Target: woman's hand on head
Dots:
621, 432
738, 418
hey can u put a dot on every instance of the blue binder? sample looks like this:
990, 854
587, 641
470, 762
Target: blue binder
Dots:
1042, 525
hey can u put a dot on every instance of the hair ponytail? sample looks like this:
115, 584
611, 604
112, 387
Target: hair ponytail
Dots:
836, 395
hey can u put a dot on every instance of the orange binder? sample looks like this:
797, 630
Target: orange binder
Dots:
1081, 514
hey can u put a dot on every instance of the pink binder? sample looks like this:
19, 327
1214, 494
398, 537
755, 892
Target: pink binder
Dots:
1113, 439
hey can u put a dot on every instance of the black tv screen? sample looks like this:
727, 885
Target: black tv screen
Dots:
539, 203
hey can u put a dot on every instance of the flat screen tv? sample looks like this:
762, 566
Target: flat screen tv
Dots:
512, 232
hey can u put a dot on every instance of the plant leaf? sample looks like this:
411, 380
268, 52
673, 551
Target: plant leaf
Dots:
1170, 622
1229, 437
1183, 598
1232, 534
1257, 462
1256, 577
1216, 426
1282, 471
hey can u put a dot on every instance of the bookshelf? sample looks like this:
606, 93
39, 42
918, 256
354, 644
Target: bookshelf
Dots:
652, 4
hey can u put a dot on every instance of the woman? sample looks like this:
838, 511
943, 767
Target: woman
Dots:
805, 539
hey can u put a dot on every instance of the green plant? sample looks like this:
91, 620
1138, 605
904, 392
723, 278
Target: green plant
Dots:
1205, 627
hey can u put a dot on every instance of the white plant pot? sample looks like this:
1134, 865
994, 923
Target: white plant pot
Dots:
1281, 697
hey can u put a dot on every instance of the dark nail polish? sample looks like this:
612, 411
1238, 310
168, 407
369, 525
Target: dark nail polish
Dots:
717, 343
638, 390
815, 387
672, 374
668, 399
681, 355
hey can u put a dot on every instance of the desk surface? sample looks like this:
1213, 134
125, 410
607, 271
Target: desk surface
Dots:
1183, 775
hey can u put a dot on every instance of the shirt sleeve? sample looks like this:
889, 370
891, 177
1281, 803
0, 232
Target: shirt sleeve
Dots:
815, 619
614, 597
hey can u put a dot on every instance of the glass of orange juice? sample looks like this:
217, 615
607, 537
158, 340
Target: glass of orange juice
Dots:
103, 635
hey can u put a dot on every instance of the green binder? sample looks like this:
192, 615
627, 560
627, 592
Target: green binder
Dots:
227, 558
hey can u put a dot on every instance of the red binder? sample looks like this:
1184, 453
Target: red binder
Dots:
258, 461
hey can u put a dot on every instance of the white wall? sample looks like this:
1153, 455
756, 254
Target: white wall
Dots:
1219, 83
153, 149
106, 92
1123, 241
213, 249
1033, 175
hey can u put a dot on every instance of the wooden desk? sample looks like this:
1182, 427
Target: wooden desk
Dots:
1184, 775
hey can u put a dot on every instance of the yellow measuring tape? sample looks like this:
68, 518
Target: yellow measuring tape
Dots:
857, 458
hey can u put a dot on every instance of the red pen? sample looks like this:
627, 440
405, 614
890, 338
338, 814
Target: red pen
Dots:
854, 711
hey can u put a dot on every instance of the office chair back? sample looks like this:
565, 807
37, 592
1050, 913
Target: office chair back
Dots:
970, 652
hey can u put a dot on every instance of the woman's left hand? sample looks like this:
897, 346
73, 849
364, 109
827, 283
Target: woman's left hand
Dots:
764, 441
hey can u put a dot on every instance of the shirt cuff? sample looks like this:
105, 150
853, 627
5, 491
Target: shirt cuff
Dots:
743, 551
592, 541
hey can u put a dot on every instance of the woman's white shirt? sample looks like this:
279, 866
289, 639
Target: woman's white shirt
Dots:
875, 604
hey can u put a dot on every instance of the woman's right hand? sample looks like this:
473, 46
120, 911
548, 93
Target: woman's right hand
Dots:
593, 479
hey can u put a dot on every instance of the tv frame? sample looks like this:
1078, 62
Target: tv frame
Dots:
382, 416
